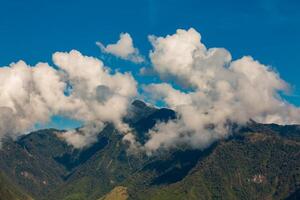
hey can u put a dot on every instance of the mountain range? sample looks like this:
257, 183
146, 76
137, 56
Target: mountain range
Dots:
257, 161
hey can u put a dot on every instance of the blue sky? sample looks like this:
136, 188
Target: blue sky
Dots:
268, 30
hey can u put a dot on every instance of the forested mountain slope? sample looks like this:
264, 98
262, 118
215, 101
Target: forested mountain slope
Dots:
256, 162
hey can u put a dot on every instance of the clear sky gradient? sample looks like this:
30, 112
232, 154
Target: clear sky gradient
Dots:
268, 30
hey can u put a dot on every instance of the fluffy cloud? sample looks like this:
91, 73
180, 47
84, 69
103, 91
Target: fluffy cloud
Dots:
213, 92
208, 90
26, 97
30, 95
124, 49
98, 96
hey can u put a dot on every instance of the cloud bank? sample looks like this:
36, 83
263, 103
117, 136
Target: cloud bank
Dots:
26, 96
208, 90
124, 49
31, 95
212, 92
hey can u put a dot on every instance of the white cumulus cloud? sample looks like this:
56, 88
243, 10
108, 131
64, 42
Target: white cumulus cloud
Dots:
212, 92
123, 48
30, 95
99, 95
208, 90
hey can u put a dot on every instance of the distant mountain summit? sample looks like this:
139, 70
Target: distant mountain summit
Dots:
258, 161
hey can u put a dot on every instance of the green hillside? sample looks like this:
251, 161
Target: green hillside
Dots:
9, 191
256, 162
258, 166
